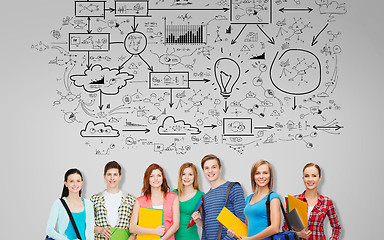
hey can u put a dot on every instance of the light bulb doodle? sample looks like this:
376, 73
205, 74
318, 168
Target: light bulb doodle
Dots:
227, 73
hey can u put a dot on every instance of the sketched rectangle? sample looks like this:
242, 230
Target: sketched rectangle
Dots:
237, 127
99, 10
137, 8
89, 42
159, 147
235, 17
169, 80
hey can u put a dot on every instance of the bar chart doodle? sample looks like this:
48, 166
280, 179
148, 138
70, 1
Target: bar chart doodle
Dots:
185, 34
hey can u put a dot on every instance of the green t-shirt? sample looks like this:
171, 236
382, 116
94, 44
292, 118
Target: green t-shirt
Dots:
186, 210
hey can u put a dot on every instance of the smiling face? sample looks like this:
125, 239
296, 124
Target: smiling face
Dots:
112, 178
188, 177
262, 176
212, 170
74, 183
311, 178
156, 178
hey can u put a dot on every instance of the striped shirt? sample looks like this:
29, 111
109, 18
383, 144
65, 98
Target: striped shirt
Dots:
213, 203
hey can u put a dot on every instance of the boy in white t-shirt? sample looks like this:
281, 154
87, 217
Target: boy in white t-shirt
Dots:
113, 208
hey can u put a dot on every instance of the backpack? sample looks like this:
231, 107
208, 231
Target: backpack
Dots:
288, 235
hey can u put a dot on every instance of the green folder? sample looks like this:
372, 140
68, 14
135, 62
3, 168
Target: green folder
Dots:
119, 234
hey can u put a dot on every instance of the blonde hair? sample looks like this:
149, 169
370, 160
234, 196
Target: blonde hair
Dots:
253, 172
180, 186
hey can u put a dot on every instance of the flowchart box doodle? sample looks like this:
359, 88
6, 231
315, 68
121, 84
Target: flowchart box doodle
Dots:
237, 127
92, 42
169, 80
89, 9
251, 12
138, 8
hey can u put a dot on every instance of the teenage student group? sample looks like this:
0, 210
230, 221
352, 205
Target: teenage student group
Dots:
99, 217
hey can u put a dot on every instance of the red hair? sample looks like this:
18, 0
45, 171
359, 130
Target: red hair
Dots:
146, 190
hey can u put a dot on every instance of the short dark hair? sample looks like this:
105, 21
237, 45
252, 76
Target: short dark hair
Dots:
110, 165
210, 157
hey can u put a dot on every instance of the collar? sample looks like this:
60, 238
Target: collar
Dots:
102, 199
320, 198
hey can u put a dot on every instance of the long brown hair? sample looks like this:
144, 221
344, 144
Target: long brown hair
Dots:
253, 172
71, 171
146, 190
180, 187
312, 165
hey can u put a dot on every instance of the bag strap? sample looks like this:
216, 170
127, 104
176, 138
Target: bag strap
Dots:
71, 217
230, 185
268, 203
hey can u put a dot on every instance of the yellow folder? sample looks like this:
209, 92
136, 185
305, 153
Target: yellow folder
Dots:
301, 208
150, 218
229, 220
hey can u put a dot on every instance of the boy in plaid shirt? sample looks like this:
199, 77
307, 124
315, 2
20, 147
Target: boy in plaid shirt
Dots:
112, 207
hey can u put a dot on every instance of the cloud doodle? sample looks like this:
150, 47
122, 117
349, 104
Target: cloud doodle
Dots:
332, 7
99, 130
236, 126
172, 127
103, 79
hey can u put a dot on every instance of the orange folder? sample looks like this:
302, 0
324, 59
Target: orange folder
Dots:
300, 206
229, 220
150, 218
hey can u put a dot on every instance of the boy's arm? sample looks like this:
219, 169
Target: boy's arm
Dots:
236, 196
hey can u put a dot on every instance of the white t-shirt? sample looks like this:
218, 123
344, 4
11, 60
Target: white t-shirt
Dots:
158, 207
310, 210
112, 203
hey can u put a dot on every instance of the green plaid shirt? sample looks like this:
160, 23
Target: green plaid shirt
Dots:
125, 211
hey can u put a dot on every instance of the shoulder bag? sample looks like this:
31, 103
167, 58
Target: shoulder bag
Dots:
288, 235
226, 199
71, 218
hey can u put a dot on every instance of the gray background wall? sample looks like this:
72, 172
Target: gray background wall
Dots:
38, 146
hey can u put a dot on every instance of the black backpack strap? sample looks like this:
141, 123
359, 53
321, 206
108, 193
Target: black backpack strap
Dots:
71, 217
230, 185
268, 203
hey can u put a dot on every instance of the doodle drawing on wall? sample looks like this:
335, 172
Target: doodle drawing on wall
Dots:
171, 75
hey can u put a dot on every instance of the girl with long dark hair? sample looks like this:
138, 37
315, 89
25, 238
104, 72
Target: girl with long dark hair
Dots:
59, 226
